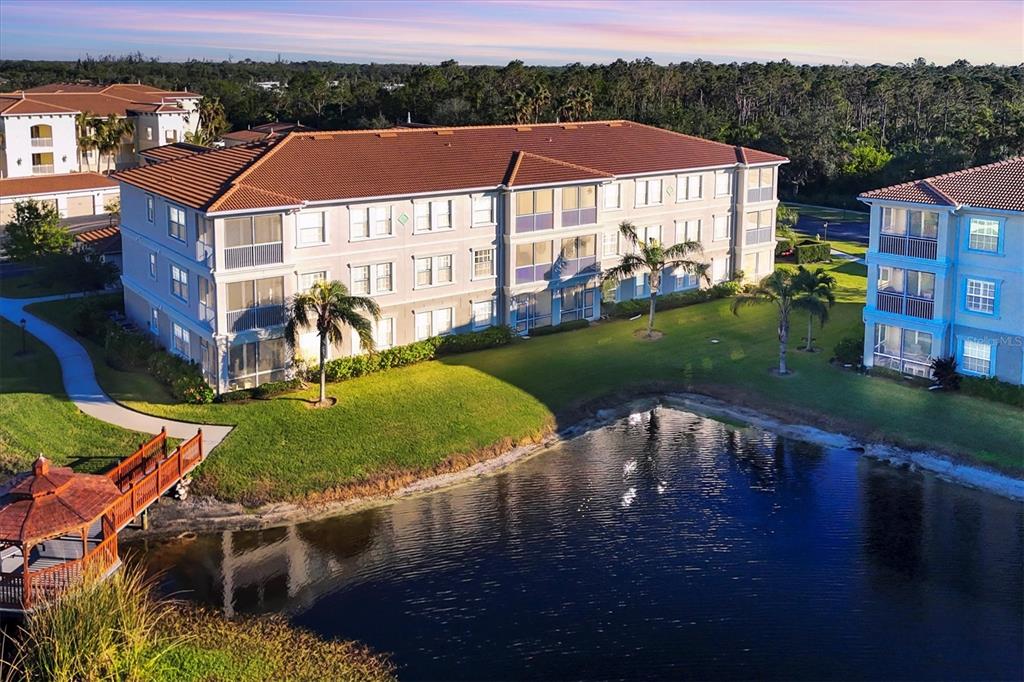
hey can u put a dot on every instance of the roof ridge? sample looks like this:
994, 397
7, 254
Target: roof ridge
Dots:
234, 188
272, 146
25, 97
432, 129
518, 155
943, 176
939, 193
734, 147
568, 164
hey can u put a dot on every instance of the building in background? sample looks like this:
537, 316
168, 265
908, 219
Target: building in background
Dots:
448, 229
261, 133
946, 273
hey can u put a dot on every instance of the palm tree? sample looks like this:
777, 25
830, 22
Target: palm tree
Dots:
212, 123
85, 130
652, 257
329, 308
577, 105
816, 297
782, 289
110, 134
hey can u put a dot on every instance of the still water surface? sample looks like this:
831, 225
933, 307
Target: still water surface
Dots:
665, 546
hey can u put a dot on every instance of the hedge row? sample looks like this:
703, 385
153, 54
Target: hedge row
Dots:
263, 391
640, 306
991, 388
813, 252
341, 369
558, 328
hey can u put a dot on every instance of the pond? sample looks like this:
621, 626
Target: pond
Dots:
667, 545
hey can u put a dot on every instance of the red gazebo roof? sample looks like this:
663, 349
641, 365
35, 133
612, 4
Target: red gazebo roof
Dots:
51, 501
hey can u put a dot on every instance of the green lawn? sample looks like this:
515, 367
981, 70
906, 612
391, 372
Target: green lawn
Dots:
851, 248
828, 213
29, 286
37, 418
417, 418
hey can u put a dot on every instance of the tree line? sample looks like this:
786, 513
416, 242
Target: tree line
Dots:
845, 128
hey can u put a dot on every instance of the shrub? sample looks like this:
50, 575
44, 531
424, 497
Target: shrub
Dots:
90, 320
126, 350
850, 351
992, 389
944, 373
272, 388
183, 377
235, 396
557, 328
487, 338
679, 299
811, 251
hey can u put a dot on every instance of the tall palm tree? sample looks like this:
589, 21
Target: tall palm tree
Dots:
577, 104
816, 297
212, 123
110, 134
329, 308
85, 131
781, 288
651, 258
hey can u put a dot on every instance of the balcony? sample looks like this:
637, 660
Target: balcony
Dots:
42, 169
42, 141
759, 235
533, 222
252, 255
914, 247
912, 366
756, 194
255, 318
579, 216
899, 304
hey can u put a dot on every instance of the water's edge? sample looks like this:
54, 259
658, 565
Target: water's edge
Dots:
172, 518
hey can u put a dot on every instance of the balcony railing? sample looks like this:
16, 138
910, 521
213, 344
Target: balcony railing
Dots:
759, 235
579, 216
915, 367
920, 307
760, 194
255, 318
901, 304
889, 302
915, 247
252, 255
42, 169
537, 221
42, 141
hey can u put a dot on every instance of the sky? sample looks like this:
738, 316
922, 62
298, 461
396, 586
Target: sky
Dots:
535, 31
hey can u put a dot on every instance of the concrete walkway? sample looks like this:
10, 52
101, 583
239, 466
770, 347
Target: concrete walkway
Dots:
80, 380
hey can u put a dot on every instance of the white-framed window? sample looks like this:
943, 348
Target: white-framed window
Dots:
483, 263
611, 243
723, 183
433, 323
179, 283
361, 280
154, 321
688, 230
760, 183
649, 234
152, 265
308, 279
483, 314
981, 296
433, 270
310, 229
384, 333
370, 221
176, 223
149, 134
720, 269
983, 235
432, 216
612, 196
976, 357
689, 187
648, 192
206, 311
721, 229
373, 279
579, 205
150, 208
483, 210
758, 227
182, 341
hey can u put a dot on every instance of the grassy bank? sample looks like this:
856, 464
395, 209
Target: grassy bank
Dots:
422, 417
37, 417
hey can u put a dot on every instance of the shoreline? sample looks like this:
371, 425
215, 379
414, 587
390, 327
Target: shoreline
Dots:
204, 514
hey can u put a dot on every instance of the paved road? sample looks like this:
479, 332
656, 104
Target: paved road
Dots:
80, 379
852, 231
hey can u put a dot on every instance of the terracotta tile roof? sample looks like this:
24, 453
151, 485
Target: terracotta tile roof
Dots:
49, 184
103, 240
51, 501
329, 166
175, 150
15, 104
245, 135
264, 131
101, 100
997, 185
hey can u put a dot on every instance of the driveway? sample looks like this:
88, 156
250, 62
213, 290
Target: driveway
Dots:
848, 226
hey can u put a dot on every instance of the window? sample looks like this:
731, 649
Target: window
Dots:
890, 279
720, 270
578, 303
533, 262
384, 281
611, 243
311, 229
924, 224
373, 279
433, 270
894, 221
152, 265
483, 210
752, 264
308, 279
723, 183
917, 346
483, 314
150, 208
648, 192
154, 321
689, 187
903, 350
179, 283
721, 228
687, 231
433, 323
983, 235
258, 293
483, 263
170, 136
373, 221
361, 280
531, 310
649, 234
760, 183
612, 196
578, 255
579, 205
206, 312
250, 230
182, 344
256, 362
758, 227
384, 333
149, 134
981, 296
431, 216
534, 210
921, 284
976, 357
176, 222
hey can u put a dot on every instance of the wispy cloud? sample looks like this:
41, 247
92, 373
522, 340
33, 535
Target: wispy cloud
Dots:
548, 31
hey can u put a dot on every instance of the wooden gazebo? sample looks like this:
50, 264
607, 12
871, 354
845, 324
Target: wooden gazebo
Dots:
55, 525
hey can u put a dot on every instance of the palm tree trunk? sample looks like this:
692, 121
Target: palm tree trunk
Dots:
323, 368
783, 339
810, 329
650, 317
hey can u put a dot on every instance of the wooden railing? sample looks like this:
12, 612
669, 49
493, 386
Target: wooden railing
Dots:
48, 583
132, 465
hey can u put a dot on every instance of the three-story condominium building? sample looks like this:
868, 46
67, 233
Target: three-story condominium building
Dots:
946, 273
448, 229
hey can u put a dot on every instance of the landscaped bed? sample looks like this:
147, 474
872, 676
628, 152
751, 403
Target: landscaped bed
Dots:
435, 415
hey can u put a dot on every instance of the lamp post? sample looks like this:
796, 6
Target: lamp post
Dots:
826, 230
24, 349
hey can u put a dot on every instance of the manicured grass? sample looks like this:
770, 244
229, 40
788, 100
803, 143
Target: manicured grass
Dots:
37, 418
418, 417
851, 248
29, 286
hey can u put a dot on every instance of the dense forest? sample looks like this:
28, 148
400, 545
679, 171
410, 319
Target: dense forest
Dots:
846, 128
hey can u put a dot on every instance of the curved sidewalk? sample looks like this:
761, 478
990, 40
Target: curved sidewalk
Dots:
80, 379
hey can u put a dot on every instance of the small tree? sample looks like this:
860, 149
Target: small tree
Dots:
816, 297
778, 288
651, 258
35, 231
81, 270
329, 308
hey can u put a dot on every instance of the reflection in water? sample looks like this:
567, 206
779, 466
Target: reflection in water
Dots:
665, 546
